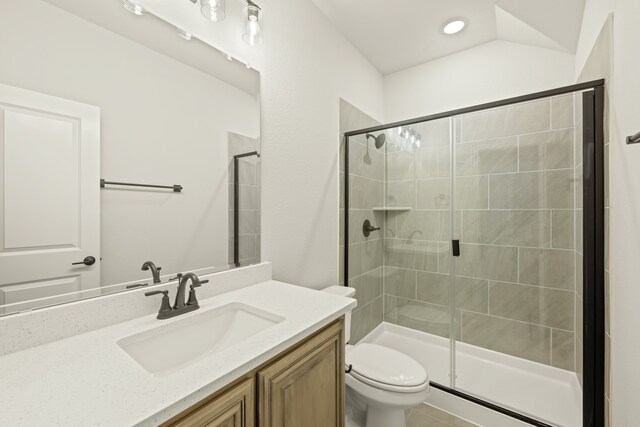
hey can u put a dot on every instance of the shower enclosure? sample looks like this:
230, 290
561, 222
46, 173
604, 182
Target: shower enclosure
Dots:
475, 241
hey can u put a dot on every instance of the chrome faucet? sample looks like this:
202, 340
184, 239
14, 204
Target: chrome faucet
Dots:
179, 306
155, 271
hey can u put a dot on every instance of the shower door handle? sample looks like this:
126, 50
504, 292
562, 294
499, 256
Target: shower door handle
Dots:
455, 246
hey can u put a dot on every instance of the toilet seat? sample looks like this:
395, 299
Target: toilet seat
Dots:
386, 369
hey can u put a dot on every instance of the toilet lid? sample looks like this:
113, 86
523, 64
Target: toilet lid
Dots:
385, 365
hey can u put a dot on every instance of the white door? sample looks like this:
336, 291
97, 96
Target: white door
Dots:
49, 198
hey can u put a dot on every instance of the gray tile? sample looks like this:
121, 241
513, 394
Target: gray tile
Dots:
365, 193
532, 190
377, 312
248, 221
426, 162
498, 263
546, 150
506, 227
559, 189
532, 304
400, 282
433, 193
390, 309
443, 416
400, 166
361, 323
562, 349
487, 157
373, 254
400, 193
518, 339
562, 229
472, 192
506, 121
424, 225
416, 255
373, 164
355, 260
368, 286
247, 247
517, 191
430, 318
546, 267
352, 118
356, 153
471, 294
562, 112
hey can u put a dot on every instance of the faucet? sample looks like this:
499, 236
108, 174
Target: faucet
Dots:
179, 306
182, 285
155, 271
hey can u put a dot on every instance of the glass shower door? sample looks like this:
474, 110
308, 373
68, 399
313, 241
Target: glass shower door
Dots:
517, 174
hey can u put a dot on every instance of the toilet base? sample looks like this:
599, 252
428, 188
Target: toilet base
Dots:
385, 417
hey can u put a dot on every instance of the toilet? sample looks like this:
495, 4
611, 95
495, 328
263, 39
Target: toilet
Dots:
382, 383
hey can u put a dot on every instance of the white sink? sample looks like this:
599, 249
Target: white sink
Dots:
172, 346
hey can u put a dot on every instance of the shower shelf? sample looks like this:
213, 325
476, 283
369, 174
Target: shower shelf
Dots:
392, 208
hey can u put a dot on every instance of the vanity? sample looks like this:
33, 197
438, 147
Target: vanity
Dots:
262, 353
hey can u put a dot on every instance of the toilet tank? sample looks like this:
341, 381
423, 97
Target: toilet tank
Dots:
343, 291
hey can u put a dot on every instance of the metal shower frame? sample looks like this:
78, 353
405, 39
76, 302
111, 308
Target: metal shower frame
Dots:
593, 405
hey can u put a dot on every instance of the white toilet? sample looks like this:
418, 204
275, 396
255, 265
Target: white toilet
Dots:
381, 382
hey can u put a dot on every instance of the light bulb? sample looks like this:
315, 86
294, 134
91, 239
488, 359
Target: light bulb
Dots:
133, 7
253, 32
214, 10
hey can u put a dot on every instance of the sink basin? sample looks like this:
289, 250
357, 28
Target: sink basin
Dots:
172, 346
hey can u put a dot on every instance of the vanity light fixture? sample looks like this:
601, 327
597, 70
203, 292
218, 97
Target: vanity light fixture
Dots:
253, 24
215, 10
454, 27
185, 35
132, 7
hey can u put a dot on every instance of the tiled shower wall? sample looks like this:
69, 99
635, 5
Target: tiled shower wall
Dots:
514, 186
249, 204
366, 172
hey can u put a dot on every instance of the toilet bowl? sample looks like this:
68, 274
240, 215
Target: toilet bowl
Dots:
382, 383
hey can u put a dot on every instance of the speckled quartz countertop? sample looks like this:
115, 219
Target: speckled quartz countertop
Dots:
88, 380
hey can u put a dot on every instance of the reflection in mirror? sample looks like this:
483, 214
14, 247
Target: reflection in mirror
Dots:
91, 92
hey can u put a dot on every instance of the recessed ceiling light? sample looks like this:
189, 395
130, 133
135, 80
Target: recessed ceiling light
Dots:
454, 27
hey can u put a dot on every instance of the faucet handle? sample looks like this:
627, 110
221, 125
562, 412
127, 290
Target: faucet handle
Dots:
178, 277
197, 285
150, 293
165, 307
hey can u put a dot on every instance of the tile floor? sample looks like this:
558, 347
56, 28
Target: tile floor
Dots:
428, 416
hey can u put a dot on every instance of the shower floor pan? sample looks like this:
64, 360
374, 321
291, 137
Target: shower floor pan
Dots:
539, 391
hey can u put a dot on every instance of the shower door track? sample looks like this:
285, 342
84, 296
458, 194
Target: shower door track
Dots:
593, 390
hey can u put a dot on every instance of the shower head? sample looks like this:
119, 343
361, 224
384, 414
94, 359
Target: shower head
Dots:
380, 139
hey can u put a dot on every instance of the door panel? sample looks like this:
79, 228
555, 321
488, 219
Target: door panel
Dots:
234, 408
306, 387
49, 193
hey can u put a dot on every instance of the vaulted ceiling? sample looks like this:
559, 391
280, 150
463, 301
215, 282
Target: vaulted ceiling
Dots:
394, 35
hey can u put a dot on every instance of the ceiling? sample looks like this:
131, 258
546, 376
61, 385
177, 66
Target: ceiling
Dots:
162, 37
394, 35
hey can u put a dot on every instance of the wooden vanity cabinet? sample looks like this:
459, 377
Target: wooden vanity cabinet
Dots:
301, 387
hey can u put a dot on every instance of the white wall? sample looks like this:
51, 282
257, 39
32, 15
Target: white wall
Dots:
489, 72
308, 65
162, 123
625, 217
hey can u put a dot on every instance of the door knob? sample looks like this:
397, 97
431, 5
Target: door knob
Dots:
87, 261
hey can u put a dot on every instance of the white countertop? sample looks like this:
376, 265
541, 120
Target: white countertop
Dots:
88, 380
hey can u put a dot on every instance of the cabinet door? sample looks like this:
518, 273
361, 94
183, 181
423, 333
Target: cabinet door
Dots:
234, 408
306, 386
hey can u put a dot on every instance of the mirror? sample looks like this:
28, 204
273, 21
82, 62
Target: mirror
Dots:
117, 145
